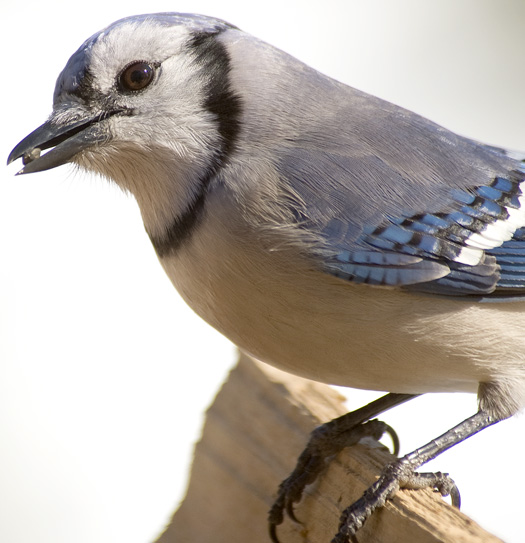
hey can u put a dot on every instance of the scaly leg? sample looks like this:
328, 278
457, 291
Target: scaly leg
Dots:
401, 474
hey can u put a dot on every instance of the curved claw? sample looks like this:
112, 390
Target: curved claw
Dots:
276, 517
455, 497
272, 530
290, 511
445, 485
394, 437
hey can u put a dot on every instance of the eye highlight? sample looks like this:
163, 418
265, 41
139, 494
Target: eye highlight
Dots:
136, 76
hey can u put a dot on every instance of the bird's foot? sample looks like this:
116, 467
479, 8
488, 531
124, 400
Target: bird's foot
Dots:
325, 442
398, 474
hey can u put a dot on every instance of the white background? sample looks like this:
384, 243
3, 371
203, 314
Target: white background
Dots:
104, 372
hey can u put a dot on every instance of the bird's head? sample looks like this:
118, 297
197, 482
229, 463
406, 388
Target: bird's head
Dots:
142, 102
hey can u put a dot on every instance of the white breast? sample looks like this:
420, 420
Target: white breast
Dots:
277, 307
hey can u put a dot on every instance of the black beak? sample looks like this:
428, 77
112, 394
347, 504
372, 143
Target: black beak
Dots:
66, 140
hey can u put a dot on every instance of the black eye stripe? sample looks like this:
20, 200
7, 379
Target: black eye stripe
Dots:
136, 76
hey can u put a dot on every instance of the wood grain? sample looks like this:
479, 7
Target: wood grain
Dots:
253, 434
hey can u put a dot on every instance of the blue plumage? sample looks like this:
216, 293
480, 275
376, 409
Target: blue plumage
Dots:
474, 249
511, 260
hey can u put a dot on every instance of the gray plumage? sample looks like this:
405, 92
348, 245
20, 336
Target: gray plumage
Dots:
322, 230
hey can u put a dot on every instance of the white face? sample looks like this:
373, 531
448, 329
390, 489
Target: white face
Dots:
168, 111
159, 147
147, 103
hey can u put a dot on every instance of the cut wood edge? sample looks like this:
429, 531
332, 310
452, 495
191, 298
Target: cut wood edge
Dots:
257, 426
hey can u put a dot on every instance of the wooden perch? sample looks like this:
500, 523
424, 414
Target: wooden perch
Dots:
254, 432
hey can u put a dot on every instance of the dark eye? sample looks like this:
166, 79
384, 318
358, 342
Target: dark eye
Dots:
136, 76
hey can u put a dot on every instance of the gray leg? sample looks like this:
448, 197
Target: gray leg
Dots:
400, 474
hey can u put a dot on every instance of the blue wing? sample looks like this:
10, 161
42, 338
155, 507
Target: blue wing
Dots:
399, 201
477, 248
448, 221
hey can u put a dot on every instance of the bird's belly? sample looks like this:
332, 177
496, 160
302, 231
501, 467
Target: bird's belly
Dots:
312, 324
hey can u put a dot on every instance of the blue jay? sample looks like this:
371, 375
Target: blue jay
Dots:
322, 230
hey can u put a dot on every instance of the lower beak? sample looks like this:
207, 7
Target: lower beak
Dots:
65, 140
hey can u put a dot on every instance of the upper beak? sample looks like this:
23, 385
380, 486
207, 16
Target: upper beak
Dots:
66, 139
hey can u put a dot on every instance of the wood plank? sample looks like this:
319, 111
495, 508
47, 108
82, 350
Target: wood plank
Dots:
253, 434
